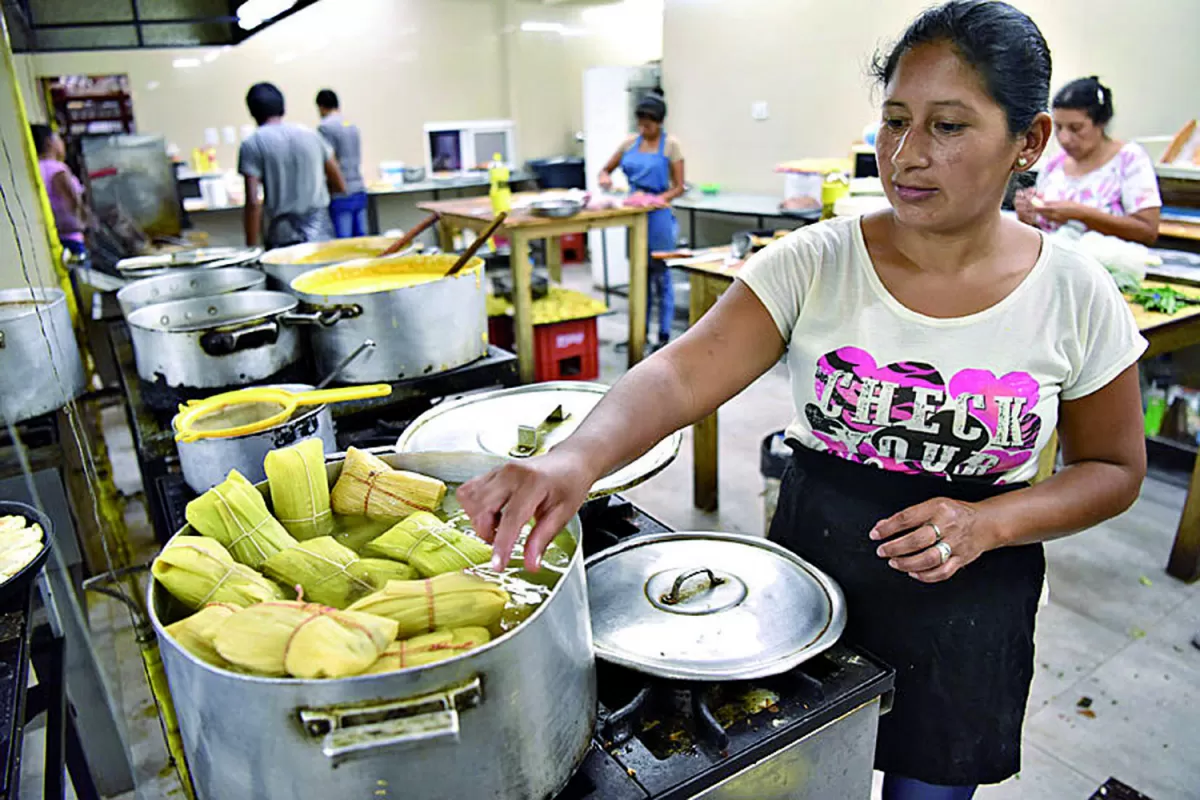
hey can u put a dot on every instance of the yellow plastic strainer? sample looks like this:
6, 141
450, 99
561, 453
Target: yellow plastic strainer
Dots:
253, 410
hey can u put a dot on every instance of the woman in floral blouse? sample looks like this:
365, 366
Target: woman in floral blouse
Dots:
1106, 184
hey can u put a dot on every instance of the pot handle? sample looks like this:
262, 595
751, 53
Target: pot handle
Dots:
356, 731
323, 317
232, 340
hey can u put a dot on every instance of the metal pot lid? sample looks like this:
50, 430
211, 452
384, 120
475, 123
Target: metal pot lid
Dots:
526, 421
205, 313
710, 606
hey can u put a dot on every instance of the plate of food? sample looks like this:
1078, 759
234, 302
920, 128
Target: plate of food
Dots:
24, 546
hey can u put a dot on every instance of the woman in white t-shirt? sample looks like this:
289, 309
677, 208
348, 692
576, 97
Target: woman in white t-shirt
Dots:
933, 348
1108, 185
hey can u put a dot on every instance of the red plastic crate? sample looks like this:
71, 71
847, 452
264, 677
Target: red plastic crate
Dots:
500, 332
566, 351
574, 248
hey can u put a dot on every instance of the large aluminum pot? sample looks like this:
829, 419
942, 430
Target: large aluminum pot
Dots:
421, 329
285, 264
188, 283
40, 368
206, 462
214, 342
510, 720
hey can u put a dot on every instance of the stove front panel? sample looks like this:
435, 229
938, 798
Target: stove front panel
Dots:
834, 761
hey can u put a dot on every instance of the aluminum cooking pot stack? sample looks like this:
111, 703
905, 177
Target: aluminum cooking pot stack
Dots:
40, 367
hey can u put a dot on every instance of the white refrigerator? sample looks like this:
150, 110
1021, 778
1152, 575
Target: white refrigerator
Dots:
610, 95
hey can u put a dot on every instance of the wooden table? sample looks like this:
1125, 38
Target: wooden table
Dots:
522, 227
712, 272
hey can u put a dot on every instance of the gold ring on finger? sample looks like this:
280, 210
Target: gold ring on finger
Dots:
937, 532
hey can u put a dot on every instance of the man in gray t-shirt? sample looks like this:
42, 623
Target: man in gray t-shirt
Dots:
297, 172
348, 210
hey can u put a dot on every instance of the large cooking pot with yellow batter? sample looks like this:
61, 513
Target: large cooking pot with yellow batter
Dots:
421, 321
285, 264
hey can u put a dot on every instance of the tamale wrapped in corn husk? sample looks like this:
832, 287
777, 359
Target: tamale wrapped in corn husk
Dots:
357, 532
235, 514
195, 633
431, 545
198, 570
300, 489
452, 600
378, 571
430, 648
304, 640
324, 571
368, 487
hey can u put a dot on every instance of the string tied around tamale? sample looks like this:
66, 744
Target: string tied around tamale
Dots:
246, 534
426, 532
371, 482
216, 586
321, 611
312, 491
343, 569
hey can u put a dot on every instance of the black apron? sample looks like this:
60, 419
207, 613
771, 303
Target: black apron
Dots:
962, 648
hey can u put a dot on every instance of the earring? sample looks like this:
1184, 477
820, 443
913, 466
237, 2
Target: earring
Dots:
1022, 161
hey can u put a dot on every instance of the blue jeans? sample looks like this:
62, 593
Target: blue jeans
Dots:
349, 213
896, 787
661, 293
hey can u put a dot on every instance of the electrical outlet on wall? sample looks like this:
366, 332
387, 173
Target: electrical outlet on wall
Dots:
759, 110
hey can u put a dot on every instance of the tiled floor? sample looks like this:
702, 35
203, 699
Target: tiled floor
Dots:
1116, 630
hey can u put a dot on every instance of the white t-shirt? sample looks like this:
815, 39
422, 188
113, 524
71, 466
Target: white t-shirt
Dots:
968, 398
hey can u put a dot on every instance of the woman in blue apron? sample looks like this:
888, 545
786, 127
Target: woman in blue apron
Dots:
653, 165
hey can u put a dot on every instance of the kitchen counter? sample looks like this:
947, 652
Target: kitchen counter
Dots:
436, 187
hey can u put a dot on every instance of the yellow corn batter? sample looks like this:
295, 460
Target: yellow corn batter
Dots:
367, 277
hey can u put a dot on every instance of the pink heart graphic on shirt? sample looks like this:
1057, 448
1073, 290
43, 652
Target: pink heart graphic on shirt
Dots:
984, 383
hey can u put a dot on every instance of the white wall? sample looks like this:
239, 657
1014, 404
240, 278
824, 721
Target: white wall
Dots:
395, 64
808, 59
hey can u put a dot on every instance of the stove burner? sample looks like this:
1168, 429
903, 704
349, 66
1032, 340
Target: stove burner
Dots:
612, 519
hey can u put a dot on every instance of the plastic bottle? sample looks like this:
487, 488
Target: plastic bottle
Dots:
500, 191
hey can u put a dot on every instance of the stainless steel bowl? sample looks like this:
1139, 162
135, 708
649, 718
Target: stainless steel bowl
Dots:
557, 208
414, 174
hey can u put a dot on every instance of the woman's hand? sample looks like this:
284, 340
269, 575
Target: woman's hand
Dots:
1023, 203
548, 488
606, 181
1061, 211
963, 527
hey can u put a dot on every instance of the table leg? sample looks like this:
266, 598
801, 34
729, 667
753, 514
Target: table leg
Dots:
704, 293
1185, 553
554, 258
692, 228
639, 257
522, 274
446, 236
372, 215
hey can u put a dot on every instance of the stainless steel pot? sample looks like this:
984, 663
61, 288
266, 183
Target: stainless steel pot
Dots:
421, 329
512, 719
40, 368
214, 342
285, 264
206, 462
184, 284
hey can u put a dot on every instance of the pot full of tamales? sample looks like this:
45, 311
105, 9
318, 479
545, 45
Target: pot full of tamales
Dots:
424, 321
337, 631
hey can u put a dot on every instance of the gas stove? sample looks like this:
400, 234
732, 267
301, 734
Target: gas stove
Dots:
807, 733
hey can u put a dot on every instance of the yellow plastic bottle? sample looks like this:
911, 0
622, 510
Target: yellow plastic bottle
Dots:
500, 191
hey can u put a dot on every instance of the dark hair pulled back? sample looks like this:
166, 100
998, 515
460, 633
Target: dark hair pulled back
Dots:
1001, 43
1088, 95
